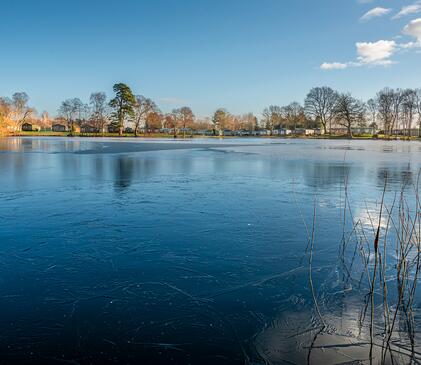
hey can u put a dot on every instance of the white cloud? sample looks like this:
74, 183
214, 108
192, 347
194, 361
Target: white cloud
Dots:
407, 10
333, 66
375, 12
369, 54
409, 45
413, 29
376, 53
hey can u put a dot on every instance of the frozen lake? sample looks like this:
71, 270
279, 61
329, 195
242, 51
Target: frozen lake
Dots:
157, 252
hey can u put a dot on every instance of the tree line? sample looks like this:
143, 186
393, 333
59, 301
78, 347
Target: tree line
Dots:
323, 107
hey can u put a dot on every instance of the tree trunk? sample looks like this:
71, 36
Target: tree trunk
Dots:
349, 131
120, 126
409, 125
419, 128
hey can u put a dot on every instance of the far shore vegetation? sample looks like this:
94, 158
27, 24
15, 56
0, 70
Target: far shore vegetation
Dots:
325, 113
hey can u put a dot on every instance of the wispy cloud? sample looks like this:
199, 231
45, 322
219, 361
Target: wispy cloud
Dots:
333, 66
409, 45
374, 13
408, 10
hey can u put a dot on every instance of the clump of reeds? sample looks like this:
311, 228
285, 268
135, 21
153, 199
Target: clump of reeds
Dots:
385, 259
395, 227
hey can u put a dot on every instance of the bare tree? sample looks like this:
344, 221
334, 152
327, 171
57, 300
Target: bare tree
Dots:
385, 108
372, 108
171, 119
272, 117
234, 122
294, 115
409, 108
248, 122
389, 102
45, 120
21, 110
397, 107
6, 110
320, 104
418, 93
167, 121
72, 111
142, 108
203, 123
185, 116
99, 108
154, 120
349, 112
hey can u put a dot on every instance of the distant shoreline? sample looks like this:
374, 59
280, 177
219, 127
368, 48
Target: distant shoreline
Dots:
189, 137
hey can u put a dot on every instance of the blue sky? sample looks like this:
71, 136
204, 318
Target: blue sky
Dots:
239, 54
